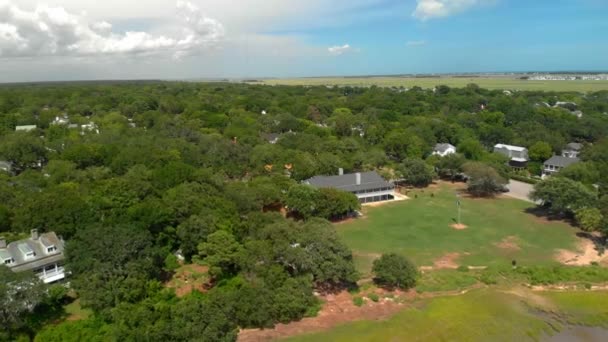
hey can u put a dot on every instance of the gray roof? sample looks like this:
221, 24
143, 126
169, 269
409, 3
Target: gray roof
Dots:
561, 161
574, 147
443, 147
369, 181
18, 249
271, 136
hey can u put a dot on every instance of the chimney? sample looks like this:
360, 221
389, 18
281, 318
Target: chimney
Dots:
2, 242
34, 234
358, 177
341, 171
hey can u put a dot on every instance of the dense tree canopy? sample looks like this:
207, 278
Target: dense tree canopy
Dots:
152, 168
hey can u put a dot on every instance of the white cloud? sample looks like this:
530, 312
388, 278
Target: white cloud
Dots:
413, 43
429, 9
340, 50
53, 31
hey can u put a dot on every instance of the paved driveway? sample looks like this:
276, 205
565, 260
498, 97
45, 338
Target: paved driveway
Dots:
520, 190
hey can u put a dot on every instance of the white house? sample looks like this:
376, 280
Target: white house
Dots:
40, 253
444, 150
572, 150
25, 128
518, 156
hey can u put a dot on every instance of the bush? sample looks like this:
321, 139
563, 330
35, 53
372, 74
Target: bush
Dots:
395, 270
463, 268
358, 301
373, 297
524, 179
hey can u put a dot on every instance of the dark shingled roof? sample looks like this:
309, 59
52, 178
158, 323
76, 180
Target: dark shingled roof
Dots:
561, 161
574, 147
369, 181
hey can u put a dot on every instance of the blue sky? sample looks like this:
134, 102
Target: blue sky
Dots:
89, 39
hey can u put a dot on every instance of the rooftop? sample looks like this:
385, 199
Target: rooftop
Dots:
443, 147
368, 181
510, 147
38, 245
561, 161
574, 147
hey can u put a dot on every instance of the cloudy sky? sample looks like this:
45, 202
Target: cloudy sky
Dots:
125, 39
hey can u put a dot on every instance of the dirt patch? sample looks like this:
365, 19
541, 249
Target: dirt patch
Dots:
459, 226
189, 278
510, 243
585, 255
448, 261
337, 310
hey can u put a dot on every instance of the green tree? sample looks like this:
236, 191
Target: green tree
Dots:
394, 270
472, 149
23, 150
334, 203
540, 151
416, 172
589, 219
563, 195
483, 180
584, 172
303, 200
221, 251
20, 293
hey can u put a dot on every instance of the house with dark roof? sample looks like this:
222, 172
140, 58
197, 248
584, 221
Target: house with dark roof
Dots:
572, 150
40, 253
444, 150
557, 163
369, 187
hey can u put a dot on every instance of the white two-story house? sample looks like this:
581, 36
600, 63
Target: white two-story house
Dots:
40, 253
518, 156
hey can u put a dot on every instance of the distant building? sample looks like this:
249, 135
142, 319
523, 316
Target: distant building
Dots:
40, 253
6, 166
61, 120
369, 187
272, 138
572, 150
556, 164
444, 149
518, 156
25, 128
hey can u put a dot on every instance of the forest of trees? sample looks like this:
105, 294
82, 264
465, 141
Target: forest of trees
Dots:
187, 166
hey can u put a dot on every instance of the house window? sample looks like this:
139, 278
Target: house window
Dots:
30, 255
9, 261
51, 249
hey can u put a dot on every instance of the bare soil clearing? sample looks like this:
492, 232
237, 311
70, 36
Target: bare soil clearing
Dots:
338, 309
447, 261
510, 243
189, 278
586, 254
459, 226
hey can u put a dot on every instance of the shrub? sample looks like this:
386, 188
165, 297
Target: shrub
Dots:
358, 301
395, 270
463, 268
373, 297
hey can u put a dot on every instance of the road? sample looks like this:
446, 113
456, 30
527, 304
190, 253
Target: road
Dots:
520, 190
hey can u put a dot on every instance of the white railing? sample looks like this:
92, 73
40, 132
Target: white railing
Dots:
52, 275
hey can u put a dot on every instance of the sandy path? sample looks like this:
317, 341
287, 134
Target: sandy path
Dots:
585, 255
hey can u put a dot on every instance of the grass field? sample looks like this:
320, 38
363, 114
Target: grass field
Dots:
456, 82
515, 315
499, 231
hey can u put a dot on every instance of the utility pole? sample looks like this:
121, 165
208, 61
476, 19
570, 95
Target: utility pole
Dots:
458, 204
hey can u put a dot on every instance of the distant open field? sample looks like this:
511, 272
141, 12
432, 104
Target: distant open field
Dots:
510, 83
499, 231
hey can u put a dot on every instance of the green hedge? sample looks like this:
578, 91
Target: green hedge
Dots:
524, 179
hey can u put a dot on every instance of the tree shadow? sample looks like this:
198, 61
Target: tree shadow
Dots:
599, 242
544, 213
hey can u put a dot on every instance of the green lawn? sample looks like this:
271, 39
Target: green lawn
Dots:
455, 82
517, 316
499, 231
